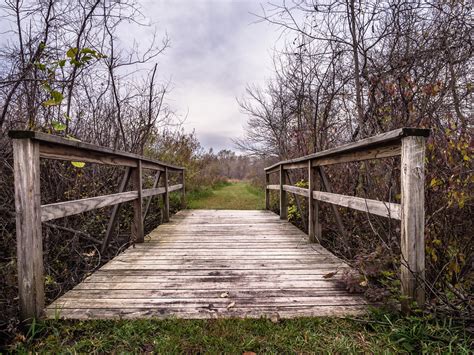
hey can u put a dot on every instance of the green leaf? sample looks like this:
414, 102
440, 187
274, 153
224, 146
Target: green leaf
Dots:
71, 53
58, 126
62, 63
56, 99
88, 51
78, 164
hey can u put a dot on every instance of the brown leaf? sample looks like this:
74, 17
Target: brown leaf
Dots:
329, 275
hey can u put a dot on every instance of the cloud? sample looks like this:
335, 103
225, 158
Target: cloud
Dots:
216, 50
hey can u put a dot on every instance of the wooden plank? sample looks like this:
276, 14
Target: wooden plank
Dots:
296, 190
183, 189
284, 312
413, 221
69, 208
234, 293
166, 198
388, 151
265, 266
56, 147
313, 207
267, 191
384, 209
283, 197
337, 216
175, 187
28, 228
115, 211
381, 140
273, 187
148, 202
137, 222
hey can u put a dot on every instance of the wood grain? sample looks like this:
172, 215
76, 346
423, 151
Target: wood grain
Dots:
184, 267
28, 228
413, 221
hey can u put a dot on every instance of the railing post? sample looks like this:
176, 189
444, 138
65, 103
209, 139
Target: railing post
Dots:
283, 198
183, 190
166, 199
267, 191
137, 223
314, 228
28, 228
412, 221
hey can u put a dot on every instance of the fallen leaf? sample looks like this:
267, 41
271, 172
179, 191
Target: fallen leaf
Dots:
363, 283
329, 275
275, 318
224, 294
230, 305
249, 353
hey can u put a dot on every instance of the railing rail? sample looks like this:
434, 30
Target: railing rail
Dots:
409, 143
28, 148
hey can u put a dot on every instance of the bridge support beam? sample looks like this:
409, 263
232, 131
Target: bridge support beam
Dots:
26, 156
412, 221
137, 223
283, 197
267, 191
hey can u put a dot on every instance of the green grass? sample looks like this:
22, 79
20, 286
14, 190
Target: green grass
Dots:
228, 196
379, 333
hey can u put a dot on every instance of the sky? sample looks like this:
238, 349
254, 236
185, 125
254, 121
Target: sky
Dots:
217, 49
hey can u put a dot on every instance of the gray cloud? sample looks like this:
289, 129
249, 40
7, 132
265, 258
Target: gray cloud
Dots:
216, 49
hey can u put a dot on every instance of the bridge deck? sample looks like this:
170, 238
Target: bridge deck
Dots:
215, 263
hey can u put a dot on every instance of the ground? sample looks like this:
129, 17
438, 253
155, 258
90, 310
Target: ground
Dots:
378, 332
229, 196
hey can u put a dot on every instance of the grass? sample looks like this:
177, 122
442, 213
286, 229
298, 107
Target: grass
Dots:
228, 196
379, 333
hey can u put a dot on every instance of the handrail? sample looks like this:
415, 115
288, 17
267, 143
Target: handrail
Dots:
59, 148
28, 148
409, 143
381, 146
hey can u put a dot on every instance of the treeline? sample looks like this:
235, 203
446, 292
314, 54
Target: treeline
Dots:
350, 70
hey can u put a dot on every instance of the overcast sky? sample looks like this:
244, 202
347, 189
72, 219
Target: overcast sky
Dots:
216, 50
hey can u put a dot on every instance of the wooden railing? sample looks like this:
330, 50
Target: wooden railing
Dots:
28, 148
409, 143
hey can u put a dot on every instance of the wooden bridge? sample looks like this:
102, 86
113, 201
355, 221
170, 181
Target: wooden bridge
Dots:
211, 263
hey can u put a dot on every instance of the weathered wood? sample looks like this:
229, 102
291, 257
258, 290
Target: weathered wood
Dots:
166, 198
177, 187
148, 202
185, 275
312, 211
56, 147
115, 211
183, 189
69, 208
384, 209
267, 191
137, 222
273, 187
337, 216
381, 140
413, 221
283, 197
28, 228
296, 190
388, 151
